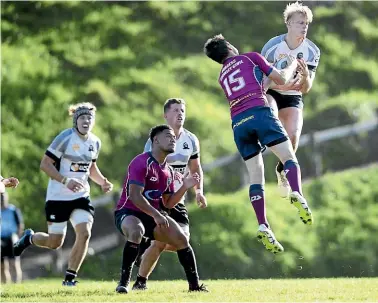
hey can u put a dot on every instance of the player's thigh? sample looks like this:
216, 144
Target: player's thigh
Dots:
82, 222
133, 228
292, 120
245, 136
172, 234
186, 230
57, 233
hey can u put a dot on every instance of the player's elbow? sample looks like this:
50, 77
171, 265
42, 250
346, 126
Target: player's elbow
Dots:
43, 164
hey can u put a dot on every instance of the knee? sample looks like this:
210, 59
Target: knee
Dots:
84, 235
182, 242
158, 246
55, 244
135, 235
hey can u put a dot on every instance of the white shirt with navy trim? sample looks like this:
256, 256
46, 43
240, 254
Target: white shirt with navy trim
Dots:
276, 48
73, 157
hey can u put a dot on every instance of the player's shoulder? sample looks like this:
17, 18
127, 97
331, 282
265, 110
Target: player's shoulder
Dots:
94, 138
190, 134
274, 41
68, 132
142, 159
312, 46
12, 207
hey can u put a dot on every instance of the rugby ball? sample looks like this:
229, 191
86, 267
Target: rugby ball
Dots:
281, 63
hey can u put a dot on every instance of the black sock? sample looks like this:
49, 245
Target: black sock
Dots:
70, 275
146, 242
141, 279
188, 261
130, 252
280, 167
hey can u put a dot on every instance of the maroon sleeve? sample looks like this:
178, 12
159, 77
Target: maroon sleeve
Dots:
261, 62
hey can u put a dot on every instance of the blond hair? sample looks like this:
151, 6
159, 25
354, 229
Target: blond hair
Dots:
73, 107
297, 8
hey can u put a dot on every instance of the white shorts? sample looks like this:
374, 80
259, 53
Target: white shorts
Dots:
77, 216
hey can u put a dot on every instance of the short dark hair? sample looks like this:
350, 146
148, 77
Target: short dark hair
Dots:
170, 101
216, 48
157, 130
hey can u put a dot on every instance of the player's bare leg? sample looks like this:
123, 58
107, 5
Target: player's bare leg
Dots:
255, 167
5, 273
78, 252
134, 230
175, 236
292, 121
15, 264
51, 241
149, 260
282, 183
285, 153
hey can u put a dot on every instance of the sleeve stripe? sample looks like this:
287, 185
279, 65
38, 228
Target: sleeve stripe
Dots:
196, 156
51, 155
136, 183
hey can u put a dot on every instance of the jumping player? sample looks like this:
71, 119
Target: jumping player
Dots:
287, 98
254, 124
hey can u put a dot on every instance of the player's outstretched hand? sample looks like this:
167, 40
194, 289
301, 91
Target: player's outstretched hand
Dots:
107, 186
178, 176
201, 200
303, 68
191, 180
10, 182
74, 184
161, 221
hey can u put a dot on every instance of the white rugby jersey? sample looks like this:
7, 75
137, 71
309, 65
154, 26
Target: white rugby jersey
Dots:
187, 147
73, 157
276, 48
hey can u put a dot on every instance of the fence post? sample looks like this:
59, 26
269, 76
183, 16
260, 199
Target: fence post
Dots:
317, 161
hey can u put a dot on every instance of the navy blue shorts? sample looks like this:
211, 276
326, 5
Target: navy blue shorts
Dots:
257, 127
147, 221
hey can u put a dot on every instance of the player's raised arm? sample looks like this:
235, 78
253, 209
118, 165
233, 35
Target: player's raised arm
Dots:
282, 77
307, 71
170, 198
194, 165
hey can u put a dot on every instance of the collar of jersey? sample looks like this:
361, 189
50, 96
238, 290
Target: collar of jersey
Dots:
161, 165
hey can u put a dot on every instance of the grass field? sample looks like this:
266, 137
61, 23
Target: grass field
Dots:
288, 290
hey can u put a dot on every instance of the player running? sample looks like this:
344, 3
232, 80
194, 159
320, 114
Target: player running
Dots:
69, 161
254, 124
287, 98
148, 184
186, 156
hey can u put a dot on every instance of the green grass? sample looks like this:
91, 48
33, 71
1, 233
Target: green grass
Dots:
288, 290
